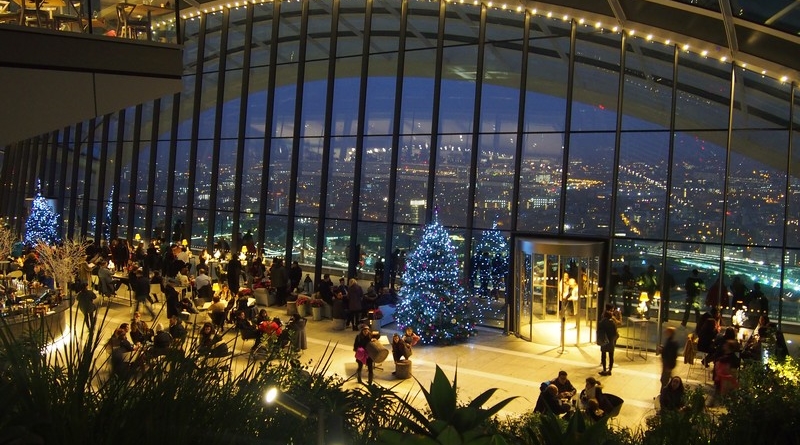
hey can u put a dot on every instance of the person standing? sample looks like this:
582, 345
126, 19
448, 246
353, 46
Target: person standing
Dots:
295, 275
141, 291
234, 273
363, 338
694, 286
279, 279
607, 338
86, 304
669, 355
354, 296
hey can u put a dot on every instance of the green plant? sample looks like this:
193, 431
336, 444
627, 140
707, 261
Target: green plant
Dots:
449, 423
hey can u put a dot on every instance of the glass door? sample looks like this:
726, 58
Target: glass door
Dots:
558, 289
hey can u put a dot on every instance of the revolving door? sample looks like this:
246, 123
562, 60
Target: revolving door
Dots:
558, 287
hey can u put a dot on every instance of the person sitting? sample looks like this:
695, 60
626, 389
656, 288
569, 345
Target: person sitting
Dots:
593, 410
177, 330
549, 400
594, 391
400, 349
162, 342
246, 328
565, 388
188, 306
210, 343
672, 397
140, 333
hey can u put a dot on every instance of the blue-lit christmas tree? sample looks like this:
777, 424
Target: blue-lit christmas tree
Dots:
43, 222
432, 300
490, 263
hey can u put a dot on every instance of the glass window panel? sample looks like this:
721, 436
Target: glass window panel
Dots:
376, 166
159, 218
202, 179
755, 264
191, 28
139, 222
257, 103
500, 95
630, 261
314, 98
251, 175
340, 178
226, 181
698, 178
540, 182
289, 32
453, 160
647, 94
760, 102
304, 240
422, 25
703, 93
199, 227
504, 25
417, 105
596, 80
591, 165
208, 106
275, 236
385, 26
337, 244
457, 99
142, 193
349, 28
412, 179
224, 226
345, 97
280, 176
791, 290
181, 175
756, 187
371, 237
545, 101
125, 177
309, 177
642, 185
793, 201
231, 102
185, 119
381, 84
318, 41
213, 42
462, 24
495, 183
262, 34
285, 92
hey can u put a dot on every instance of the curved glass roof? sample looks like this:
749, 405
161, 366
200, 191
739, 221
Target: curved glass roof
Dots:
761, 35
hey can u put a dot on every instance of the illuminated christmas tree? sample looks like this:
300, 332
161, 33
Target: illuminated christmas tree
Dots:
109, 219
490, 263
432, 300
43, 222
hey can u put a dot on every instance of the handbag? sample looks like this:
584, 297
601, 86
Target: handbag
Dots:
361, 355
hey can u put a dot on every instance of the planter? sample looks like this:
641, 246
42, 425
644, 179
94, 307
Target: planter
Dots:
316, 313
291, 308
326, 311
338, 324
302, 310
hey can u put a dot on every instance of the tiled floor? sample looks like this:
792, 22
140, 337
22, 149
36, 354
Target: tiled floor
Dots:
491, 360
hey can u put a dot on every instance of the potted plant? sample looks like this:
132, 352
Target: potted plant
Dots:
316, 308
302, 303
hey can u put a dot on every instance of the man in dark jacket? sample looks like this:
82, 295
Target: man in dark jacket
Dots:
607, 339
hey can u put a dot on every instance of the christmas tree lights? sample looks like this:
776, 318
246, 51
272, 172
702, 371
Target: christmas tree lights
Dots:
433, 301
43, 222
